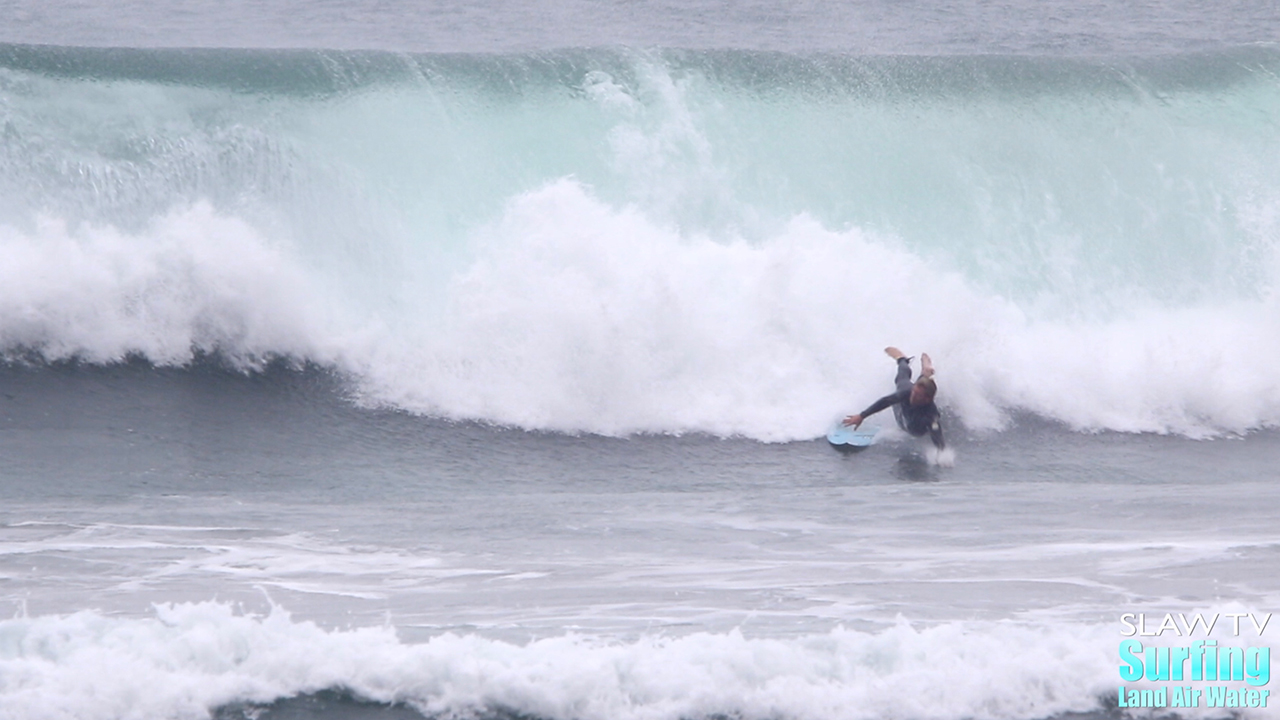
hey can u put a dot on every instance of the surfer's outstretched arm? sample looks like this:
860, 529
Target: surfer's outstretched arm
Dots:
875, 407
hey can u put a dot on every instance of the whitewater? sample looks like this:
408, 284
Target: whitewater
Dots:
623, 242
399, 360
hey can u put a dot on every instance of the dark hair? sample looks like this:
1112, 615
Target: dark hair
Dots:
930, 387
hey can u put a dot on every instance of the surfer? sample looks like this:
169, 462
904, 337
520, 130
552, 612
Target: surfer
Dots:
912, 403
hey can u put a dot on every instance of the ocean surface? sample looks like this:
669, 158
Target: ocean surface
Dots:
400, 360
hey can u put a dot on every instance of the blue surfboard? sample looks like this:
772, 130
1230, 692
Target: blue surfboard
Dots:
841, 434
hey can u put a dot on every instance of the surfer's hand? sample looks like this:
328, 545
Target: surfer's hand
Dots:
854, 420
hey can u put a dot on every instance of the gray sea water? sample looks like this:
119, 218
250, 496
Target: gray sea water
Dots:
392, 359
873, 28
127, 486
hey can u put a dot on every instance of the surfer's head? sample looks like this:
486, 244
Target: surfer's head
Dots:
923, 391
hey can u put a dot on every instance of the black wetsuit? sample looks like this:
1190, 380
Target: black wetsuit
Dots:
915, 419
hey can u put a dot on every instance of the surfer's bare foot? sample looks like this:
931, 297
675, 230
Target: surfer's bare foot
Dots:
926, 365
894, 353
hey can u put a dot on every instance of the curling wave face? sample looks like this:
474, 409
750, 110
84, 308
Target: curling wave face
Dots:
619, 242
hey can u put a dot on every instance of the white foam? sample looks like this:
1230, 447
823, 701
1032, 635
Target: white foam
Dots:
572, 315
192, 658
192, 281
579, 317
945, 457
576, 316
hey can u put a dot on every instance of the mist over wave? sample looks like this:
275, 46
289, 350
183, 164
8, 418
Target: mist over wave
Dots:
620, 242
